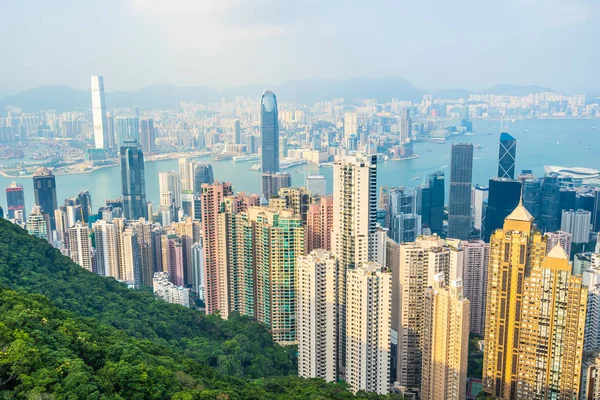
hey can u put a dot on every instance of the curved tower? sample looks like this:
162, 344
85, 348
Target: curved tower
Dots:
269, 132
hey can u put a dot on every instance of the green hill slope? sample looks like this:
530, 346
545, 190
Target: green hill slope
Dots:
68, 333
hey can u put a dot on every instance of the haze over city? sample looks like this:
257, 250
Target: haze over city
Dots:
434, 45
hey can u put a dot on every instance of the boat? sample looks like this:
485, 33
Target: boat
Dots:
477, 146
245, 158
415, 178
255, 167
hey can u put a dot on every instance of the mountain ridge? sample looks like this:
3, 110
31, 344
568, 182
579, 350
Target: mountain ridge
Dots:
309, 91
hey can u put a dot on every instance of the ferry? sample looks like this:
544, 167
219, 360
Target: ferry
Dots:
255, 167
245, 158
477, 146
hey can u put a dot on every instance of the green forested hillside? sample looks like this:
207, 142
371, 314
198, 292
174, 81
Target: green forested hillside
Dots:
68, 333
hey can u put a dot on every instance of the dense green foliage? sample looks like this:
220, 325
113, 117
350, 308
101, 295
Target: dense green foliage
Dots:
475, 366
68, 333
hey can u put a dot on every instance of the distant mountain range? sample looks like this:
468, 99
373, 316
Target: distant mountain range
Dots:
167, 96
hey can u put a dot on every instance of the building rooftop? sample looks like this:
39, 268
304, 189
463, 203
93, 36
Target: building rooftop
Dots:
558, 252
520, 214
43, 171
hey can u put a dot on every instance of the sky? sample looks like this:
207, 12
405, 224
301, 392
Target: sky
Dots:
435, 45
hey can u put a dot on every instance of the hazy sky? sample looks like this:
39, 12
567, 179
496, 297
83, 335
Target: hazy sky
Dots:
434, 44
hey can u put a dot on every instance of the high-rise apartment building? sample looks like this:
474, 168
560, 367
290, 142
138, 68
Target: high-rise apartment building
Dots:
106, 251
565, 239
419, 263
577, 223
198, 269
551, 336
214, 241
507, 156
172, 258
44, 191
130, 258
101, 135
474, 276
38, 224
459, 202
15, 201
319, 223
317, 330
133, 181
445, 341
297, 199
269, 132
354, 221
80, 248
170, 182
368, 328
350, 124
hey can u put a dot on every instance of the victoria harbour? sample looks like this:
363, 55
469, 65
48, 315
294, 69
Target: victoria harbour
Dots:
565, 142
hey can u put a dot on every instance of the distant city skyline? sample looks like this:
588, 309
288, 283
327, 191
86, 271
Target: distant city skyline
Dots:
269, 41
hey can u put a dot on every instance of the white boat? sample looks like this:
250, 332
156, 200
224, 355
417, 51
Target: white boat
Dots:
255, 167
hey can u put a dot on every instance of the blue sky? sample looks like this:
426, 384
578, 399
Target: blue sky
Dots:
221, 43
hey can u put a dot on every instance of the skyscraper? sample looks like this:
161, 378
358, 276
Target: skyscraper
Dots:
101, 135
203, 173
459, 203
532, 197
170, 181
172, 255
15, 200
550, 210
480, 199
507, 156
44, 190
368, 327
446, 341
534, 316
503, 196
133, 181
80, 246
127, 129
475, 264
236, 132
565, 239
269, 131
552, 331
354, 220
405, 127
271, 183
350, 125
437, 191
317, 277
147, 135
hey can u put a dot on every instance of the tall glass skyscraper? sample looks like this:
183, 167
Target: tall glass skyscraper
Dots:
459, 203
127, 129
269, 131
101, 137
436, 194
133, 181
15, 200
44, 191
507, 156
550, 212
503, 197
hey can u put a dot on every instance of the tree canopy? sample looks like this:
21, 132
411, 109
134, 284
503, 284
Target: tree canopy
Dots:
68, 333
